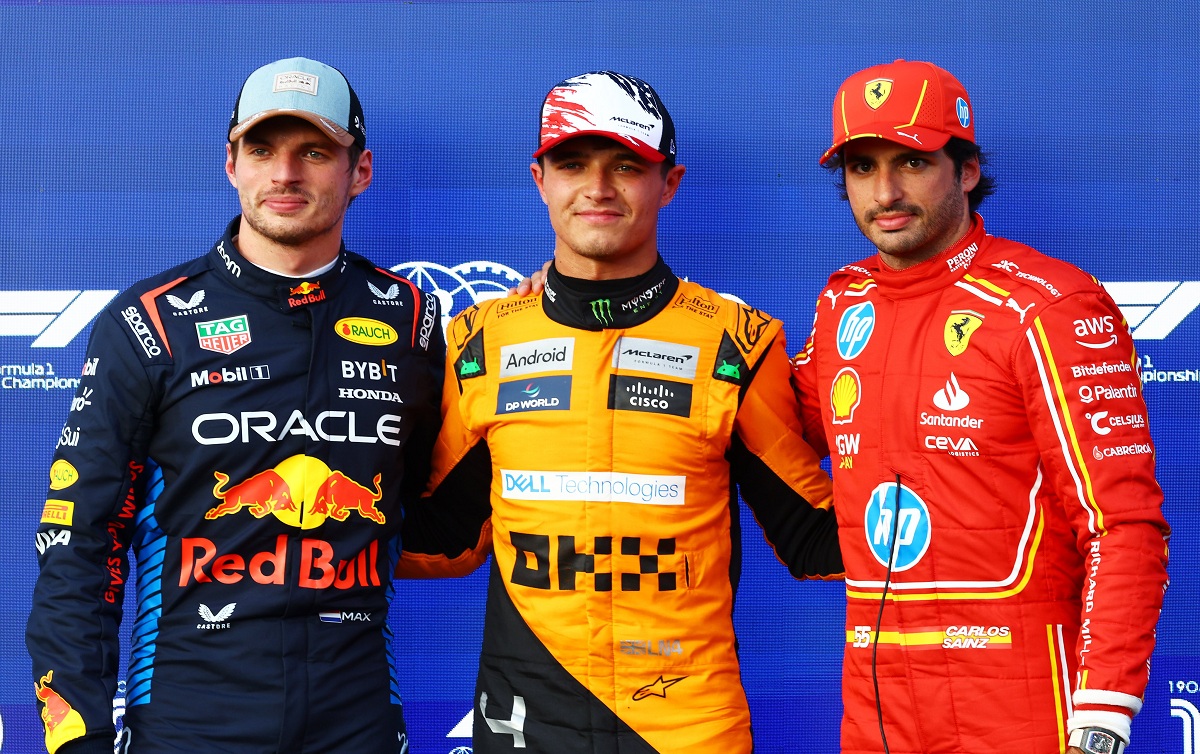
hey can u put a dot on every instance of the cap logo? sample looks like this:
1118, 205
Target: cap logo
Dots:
295, 81
963, 110
876, 92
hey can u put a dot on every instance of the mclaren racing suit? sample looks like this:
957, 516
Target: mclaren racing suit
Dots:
984, 415
250, 436
605, 427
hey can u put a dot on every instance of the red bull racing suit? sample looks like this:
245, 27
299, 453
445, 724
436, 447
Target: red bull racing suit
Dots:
250, 437
988, 435
596, 437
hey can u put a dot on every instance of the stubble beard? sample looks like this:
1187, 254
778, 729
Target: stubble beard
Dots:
937, 229
289, 231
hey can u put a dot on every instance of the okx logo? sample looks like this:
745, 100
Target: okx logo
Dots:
52, 318
1154, 309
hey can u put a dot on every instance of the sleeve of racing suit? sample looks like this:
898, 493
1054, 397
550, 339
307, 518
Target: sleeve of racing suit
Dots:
779, 474
83, 541
418, 448
1082, 385
804, 384
448, 531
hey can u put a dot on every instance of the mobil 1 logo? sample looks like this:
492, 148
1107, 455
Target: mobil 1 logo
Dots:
626, 393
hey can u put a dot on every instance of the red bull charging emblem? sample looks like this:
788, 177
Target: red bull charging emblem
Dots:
301, 491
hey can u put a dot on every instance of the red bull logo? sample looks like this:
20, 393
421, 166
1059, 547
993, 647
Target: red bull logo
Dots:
304, 294
62, 722
284, 492
203, 562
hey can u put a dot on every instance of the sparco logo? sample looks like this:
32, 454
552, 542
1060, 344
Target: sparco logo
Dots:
428, 320
134, 319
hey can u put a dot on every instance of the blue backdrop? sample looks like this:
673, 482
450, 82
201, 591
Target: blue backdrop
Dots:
115, 115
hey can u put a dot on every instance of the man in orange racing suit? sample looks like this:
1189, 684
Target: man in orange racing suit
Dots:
993, 470
596, 437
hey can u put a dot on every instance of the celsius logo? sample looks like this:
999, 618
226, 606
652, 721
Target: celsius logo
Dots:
1154, 309
52, 318
951, 397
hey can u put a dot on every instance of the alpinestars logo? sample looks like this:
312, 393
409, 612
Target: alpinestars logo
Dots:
217, 620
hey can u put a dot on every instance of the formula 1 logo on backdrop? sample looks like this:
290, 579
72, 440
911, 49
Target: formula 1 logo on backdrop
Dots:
52, 318
1154, 309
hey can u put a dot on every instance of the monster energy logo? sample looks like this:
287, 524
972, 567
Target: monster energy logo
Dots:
602, 310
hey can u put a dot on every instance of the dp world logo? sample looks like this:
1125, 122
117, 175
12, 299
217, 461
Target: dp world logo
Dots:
460, 286
897, 512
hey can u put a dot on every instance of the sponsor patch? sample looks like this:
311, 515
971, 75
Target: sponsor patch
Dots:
224, 335
536, 356
62, 475
365, 331
854, 329
660, 357
593, 486
845, 395
551, 393
58, 512
627, 393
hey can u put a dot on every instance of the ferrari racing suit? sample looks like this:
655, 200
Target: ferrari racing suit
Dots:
250, 437
596, 437
988, 435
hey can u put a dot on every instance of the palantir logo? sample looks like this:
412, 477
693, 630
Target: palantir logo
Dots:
54, 318
1154, 309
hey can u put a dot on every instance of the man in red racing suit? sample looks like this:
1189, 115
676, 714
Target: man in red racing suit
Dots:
982, 407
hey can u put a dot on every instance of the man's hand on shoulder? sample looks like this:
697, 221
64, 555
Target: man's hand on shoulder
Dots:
532, 284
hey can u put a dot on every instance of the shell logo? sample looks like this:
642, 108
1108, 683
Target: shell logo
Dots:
845, 395
368, 332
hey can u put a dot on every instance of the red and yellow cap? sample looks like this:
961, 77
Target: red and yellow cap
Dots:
908, 102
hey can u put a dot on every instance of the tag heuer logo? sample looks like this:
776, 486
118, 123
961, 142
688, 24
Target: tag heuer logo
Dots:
876, 92
224, 335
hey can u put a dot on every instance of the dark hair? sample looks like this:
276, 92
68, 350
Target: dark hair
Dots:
958, 150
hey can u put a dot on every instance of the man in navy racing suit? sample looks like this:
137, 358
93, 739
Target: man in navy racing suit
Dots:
248, 423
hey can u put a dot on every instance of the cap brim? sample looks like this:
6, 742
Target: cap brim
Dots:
643, 149
327, 127
921, 139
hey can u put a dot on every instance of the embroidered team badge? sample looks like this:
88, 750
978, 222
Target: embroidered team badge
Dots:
876, 92
959, 326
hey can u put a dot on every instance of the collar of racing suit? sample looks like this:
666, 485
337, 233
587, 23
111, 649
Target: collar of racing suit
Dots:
608, 304
287, 293
932, 274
